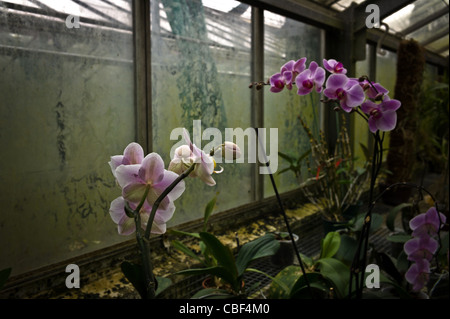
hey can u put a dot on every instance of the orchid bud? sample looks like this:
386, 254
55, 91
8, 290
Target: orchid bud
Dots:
231, 150
182, 159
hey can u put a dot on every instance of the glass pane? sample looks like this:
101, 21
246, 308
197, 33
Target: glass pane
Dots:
438, 45
286, 39
341, 5
201, 72
67, 105
438, 26
414, 13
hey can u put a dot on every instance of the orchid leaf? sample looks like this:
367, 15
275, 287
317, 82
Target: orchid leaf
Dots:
337, 272
135, 275
208, 211
183, 248
212, 293
399, 238
179, 232
264, 246
163, 284
386, 263
330, 245
391, 216
222, 253
217, 271
320, 286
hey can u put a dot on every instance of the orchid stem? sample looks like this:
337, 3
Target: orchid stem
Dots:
162, 196
286, 221
143, 241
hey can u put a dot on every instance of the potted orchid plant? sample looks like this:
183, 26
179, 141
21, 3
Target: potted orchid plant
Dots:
371, 102
148, 194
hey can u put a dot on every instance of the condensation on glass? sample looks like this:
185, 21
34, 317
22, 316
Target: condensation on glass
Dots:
67, 105
201, 72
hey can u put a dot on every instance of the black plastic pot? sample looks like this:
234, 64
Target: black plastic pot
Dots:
285, 254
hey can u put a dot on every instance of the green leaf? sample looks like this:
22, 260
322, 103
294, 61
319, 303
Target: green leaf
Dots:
399, 238
222, 253
179, 232
135, 275
320, 287
390, 218
163, 284
330, 245
337, 272
183, 248
347, 249
217, 271
4, 275
376, 222
274, 279
212, 293
263, 246
302, 157
285, 170
208, 211
284, 281
286, 157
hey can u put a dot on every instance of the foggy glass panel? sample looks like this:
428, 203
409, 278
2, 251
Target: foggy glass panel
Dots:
414, 13
201, 72
438, 26
284, 40
67, 105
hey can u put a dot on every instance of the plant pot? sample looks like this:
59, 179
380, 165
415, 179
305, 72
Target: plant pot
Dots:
285, 254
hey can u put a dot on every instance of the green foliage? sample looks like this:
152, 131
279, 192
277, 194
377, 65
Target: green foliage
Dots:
207, 258
135, 275
229, 268
327, 276
333, 182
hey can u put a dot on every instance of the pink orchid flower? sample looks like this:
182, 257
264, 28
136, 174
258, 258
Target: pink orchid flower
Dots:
311, 78
382, 116
133, 154
134, 179
187, 155
334, 66
286, 76
427, 223
372, 90
421, 248
127, 226
347, 91
418, 274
